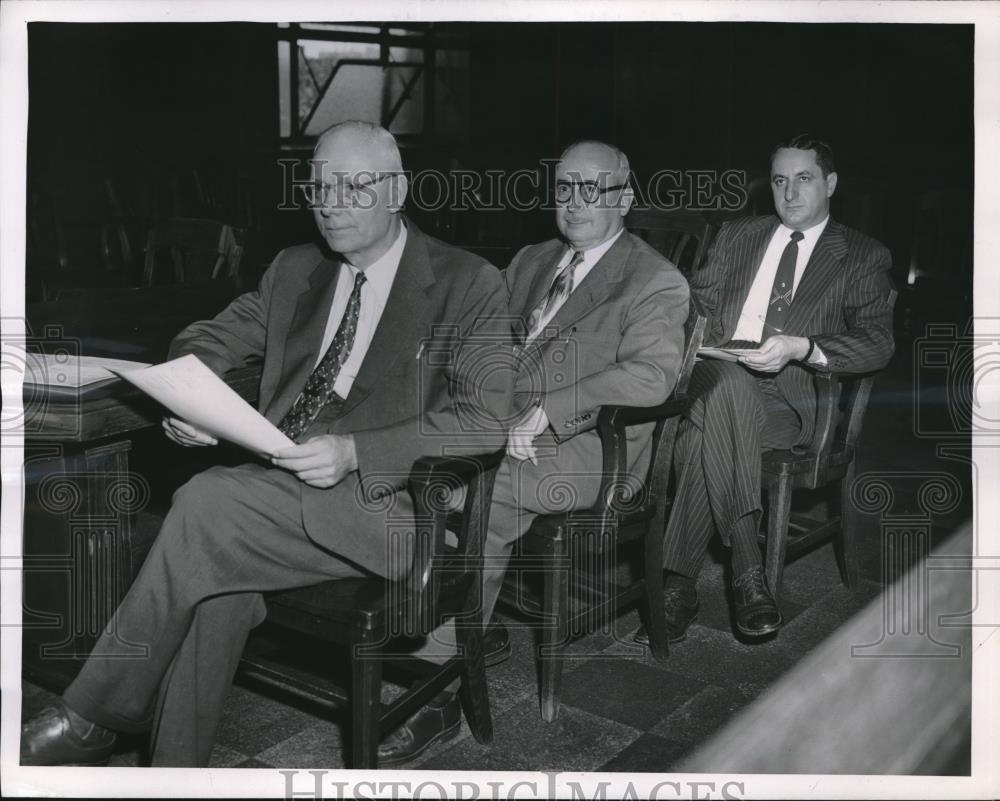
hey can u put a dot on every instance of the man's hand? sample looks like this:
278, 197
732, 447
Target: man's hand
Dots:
520, 443
776, 352
183, 433
321, 461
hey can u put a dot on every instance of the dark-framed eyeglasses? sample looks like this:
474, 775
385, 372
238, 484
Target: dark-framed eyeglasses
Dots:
589, 191
338, 192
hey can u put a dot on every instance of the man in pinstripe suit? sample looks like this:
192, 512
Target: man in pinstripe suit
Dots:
816, 295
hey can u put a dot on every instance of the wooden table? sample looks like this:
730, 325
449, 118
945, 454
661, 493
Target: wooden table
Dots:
81, 500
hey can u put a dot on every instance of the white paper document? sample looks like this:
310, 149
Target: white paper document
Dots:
726, 354
195, 394
66, 370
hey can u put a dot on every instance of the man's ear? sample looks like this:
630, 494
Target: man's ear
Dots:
400, 187
627, 199
831, 184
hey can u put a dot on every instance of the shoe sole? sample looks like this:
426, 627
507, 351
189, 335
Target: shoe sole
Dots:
442, 736
760, 632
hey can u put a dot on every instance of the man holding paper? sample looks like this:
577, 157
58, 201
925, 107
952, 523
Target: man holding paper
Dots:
802, 292
342, 332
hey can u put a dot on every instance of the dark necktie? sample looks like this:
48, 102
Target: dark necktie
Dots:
556, 296
781, 292
318, 390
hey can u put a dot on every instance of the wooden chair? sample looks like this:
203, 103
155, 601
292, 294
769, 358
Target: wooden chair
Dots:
201, 250
841, 401
366, 614
681, 236
623, 514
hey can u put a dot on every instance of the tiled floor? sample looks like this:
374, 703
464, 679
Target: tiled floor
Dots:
621, 710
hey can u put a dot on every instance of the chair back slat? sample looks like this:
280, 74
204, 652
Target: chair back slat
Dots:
200, 250
680, 236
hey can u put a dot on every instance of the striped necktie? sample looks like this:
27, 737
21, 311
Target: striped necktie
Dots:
556, 296
318, 391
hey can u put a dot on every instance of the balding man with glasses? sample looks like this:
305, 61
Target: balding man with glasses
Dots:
341, 329
598, 318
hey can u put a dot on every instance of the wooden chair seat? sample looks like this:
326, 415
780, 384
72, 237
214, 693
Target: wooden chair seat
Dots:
369, 615
576, 551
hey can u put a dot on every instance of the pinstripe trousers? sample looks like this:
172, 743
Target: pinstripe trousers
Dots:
734, 415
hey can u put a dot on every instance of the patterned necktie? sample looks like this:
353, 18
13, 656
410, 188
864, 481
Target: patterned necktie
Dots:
781, 291
556, 296
318, 390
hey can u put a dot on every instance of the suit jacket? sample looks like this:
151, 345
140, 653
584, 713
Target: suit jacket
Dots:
842, 302
410, 397
618, 339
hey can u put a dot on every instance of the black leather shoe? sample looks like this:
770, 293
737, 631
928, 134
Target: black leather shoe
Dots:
56, 736
757, 613
680, 606
496, 643
440, 720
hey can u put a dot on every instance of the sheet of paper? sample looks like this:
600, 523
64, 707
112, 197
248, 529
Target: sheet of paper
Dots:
726, 354
66, 370
195, 394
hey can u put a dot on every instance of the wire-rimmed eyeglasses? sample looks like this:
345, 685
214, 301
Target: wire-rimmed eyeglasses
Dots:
357, 193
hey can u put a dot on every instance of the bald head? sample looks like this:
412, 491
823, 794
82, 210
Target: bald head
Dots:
601, 171
378, 145
601, 155
357, 164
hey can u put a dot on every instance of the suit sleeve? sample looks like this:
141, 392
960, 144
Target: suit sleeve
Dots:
647, 363
706, 285
475, 402
236, 335
867, 343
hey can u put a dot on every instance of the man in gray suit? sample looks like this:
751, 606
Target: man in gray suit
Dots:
814, 295
598, 316
341, 331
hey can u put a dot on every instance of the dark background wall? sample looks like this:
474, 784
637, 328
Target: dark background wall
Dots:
896, 101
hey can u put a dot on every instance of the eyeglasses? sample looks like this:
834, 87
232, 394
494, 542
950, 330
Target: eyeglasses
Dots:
589, 191
341, 193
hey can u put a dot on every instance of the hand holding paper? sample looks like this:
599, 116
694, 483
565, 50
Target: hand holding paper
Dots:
199, 397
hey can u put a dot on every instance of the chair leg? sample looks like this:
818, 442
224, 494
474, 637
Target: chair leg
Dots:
779, 511
846, 543
474, 690
366, 709
656, 620
555, 609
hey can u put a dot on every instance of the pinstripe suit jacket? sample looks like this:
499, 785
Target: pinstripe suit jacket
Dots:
842, 301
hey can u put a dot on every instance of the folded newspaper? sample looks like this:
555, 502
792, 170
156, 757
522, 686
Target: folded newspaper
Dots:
195, 394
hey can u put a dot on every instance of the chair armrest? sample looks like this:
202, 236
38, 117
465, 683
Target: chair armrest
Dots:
432, 481
611, 424
827, 386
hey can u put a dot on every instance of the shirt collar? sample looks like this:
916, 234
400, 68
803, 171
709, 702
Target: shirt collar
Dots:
592, 255
380, 273
810, 236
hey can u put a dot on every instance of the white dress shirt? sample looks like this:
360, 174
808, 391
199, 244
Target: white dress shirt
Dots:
750, 326
590, 259
374, 294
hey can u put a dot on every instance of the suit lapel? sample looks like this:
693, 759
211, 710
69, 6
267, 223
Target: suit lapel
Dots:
537, 289
823, 267
593, 290
404, 322
305, 334
745, 266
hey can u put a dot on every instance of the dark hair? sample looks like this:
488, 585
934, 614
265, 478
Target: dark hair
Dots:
824, 153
